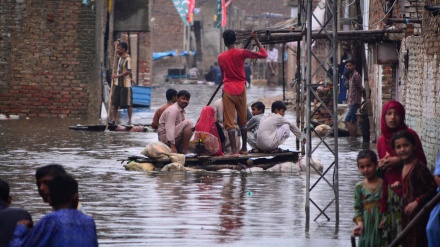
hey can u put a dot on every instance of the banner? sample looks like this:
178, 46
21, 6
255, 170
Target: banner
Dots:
185, 8
218, 14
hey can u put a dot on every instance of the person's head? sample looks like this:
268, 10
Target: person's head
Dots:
63, 192
367, 163
171, 95
122, 48
350, 66
215, 64
278, 107
271, 46
183, 98
193, 65
257, 108
404, 144
43, 175
393, 117
229, 37
4, 192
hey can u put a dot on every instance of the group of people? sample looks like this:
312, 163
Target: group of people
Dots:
67, 225
397, 185
229, 117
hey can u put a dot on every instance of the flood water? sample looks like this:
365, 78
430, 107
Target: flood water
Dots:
134, 208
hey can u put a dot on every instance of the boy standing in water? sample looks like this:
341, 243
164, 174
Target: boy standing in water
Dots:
234, 89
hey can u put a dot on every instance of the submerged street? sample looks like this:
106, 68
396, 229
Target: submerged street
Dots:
134, 208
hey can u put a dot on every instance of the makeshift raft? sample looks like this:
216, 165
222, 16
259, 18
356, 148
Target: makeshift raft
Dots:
101, 127
215, 163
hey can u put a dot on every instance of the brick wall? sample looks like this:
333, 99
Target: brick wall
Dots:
419, 90
419, 74
47, 58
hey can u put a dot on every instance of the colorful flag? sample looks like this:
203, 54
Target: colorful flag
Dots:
218, 14
185, 8
191, 6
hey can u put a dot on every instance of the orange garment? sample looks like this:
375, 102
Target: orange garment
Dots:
206, 124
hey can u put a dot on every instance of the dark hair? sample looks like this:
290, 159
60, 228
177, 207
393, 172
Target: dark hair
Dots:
229, 37
215, 63
259, 105
403, 134
350, 61
61, 189
184, 93
278, 105
171, 93
367, 154
123, 45
4, 190
51, 169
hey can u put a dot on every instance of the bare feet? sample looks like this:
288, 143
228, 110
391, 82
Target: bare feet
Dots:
243, 152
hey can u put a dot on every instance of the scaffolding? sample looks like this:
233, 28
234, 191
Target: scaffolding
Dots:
308, 30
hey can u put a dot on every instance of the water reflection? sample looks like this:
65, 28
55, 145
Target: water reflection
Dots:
175, 209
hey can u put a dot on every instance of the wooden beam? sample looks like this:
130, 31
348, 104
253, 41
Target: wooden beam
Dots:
275, 37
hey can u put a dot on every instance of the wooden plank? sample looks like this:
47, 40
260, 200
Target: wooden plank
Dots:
213, 163
101, 127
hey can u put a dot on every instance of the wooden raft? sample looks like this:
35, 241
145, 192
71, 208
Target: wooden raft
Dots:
215, 163
101, 127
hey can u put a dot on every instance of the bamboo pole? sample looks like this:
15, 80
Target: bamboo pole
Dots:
414, 223
275, 37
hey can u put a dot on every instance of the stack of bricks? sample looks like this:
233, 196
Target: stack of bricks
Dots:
50, 57
322, 115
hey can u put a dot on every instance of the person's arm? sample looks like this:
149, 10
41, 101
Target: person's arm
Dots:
170, 126
40, 235
358, 211
261, 53
252, 123
155, 123
295, 130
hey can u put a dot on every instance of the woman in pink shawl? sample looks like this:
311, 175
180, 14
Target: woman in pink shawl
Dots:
392, 121
206, 128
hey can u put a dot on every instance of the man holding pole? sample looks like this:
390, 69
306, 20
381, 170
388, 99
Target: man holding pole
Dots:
231, 64
122, 95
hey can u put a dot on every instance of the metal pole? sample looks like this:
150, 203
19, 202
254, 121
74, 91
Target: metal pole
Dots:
335, 110
284, 78
308, 83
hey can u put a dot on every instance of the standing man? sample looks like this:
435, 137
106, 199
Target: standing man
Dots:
122, 95
171, 95
174, 130
234, 89
354, 85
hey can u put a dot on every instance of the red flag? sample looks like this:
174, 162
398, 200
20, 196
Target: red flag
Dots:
191, 6
224, 21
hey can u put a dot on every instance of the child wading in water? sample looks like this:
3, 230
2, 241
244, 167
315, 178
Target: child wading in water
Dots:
417, 184
368, 193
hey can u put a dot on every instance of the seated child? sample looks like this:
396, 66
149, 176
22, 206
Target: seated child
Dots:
274, 129
253, 124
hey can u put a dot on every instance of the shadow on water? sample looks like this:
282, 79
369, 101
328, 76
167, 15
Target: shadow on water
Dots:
175, 209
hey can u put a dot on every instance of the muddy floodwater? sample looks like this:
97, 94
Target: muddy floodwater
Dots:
134, 208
